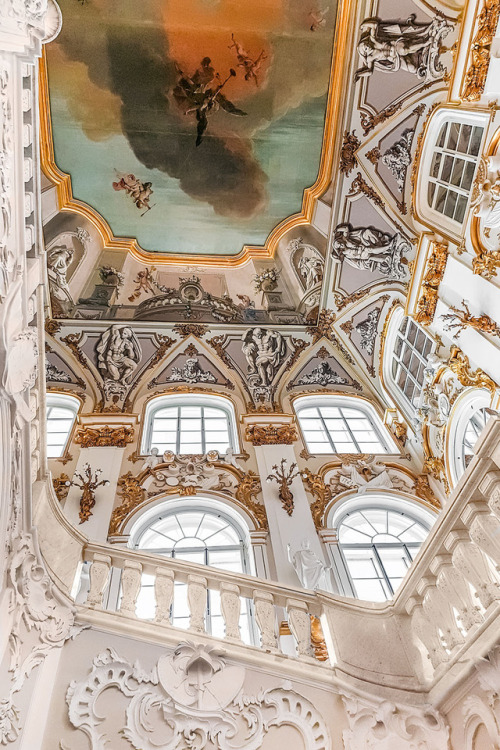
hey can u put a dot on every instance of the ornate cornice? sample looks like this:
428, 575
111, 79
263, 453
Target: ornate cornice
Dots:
104, 437
271, 434
434, 272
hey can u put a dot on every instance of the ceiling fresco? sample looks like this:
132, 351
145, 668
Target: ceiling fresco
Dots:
193, 126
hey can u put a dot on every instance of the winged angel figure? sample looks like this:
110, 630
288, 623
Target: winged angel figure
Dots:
197, 94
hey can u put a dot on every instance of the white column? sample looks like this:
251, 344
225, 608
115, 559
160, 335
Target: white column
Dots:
285, 529
38, 711
259, 541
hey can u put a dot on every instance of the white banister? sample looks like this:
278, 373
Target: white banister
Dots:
231, 609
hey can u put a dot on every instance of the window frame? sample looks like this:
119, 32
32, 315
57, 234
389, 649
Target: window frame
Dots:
430, 216
192, 399
348, 402
370, 501
394, 391
61, 401
467, 404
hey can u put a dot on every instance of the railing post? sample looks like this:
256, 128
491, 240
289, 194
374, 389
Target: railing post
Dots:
131, 585
164, 594
231, 608
99, 572
197, 600
438, 611
454, 587
427, 633
472, 563
300, 625
266, 620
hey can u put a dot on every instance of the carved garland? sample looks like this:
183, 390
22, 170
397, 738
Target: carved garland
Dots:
104, 437
434, 273
271, 434
477, 72
359, 185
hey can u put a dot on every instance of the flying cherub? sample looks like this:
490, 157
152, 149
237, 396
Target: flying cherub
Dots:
139, 191
318, 18
251, 67
198, 94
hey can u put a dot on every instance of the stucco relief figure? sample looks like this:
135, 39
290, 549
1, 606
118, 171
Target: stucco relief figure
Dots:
309, 265
323, 375
397, 158
192, 372
311, 268
367, 330
370, 249
264, 351
402, 45
59, 259
152, 460
118, 354
311, 572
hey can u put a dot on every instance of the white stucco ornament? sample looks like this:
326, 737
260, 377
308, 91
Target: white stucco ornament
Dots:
190, 700
387, 726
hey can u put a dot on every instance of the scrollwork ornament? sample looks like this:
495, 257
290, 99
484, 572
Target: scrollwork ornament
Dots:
271, 434
37, 607
194, 693
459, 364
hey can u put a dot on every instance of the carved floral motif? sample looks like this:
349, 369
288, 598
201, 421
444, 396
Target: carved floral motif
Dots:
101, 437
461, 319
434, 272
271, 434
350, 145
459, 364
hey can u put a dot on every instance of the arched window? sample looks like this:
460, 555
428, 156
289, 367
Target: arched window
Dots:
61, 415
379, 545
198, 534
411, 347
465, 427
190, 425
453, 167
333, 424
451, 152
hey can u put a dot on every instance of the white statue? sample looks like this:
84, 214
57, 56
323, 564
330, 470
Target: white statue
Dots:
59, 259
229, 458
152, 460
371, 476
370, 249
264, 351
311, 268
402, 45
312, 573
118, 353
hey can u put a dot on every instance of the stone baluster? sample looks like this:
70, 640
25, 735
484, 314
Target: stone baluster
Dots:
440, 612
231, 608
454, 587
485, 532
472, 563
99, 573
300, 625
131, 585
197, 600
427, 633
494, 502
266, 620
164, 594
